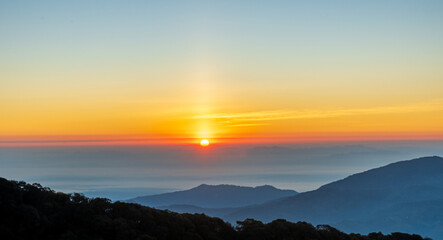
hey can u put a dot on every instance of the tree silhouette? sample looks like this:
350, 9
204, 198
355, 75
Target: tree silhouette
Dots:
30, 211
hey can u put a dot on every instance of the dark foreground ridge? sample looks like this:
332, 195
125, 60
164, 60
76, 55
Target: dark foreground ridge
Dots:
35, 212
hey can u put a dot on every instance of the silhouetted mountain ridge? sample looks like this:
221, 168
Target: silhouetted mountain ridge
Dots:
216, 196
422, 171
35, 212
360, 196
403, 196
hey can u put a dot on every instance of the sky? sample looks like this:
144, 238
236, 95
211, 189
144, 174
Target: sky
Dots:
229, 71
111, 98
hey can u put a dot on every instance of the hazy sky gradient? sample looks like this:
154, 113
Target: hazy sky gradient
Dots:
221, 69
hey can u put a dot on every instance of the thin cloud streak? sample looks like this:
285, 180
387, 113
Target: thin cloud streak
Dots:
264, 116
247, 124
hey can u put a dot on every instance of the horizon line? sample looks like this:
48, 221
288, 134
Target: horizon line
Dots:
143, 140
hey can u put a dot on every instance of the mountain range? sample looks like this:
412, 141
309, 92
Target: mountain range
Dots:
405, 196
31, 211
215, 196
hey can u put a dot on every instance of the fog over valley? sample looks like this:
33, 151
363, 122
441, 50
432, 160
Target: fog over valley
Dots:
123, 172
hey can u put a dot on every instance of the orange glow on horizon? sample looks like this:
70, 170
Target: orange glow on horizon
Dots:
115, 140
197, 76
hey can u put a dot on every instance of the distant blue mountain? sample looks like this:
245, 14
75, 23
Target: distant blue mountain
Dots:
404, 196
215, 196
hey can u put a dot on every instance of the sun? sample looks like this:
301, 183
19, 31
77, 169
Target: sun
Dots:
204, 143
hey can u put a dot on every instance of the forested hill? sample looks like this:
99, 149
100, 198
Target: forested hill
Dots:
35, 212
